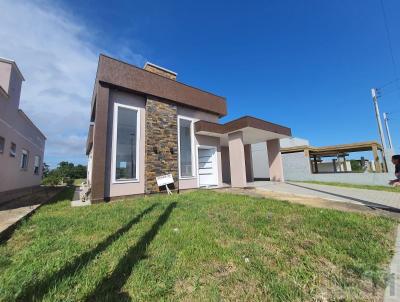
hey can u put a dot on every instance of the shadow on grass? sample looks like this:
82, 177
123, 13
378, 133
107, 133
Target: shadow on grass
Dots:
109, 288
66, 194
36, 291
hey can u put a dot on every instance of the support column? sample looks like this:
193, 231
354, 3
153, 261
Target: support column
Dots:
315, 162
378, 167
249, 163
237, 160
334, 165
344, 163
100, 144
275, 160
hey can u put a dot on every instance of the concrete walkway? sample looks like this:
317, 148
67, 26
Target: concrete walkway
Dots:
375, 199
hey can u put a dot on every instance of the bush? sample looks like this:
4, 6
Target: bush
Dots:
52, 180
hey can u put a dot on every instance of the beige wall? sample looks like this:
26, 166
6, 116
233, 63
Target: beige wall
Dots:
130, 188
5, 73
197, 114
16, 128
275, 160
226, 168
249, 163
237, 159
189, 183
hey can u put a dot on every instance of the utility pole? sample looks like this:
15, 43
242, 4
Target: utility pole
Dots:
386, 119
378, 119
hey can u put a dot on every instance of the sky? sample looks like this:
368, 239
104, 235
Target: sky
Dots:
305, 64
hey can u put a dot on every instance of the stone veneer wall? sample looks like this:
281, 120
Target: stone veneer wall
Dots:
161, 142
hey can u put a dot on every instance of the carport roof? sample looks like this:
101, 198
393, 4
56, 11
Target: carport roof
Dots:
254, 130
335, 149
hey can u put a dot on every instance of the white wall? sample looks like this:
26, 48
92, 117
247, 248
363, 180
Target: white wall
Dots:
293, 142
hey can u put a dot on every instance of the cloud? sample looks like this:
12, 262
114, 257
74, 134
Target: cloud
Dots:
58, 59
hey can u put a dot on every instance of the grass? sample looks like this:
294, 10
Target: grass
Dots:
79, 181
346, 185
198, 246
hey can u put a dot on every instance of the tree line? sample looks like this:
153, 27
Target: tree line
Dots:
65, 172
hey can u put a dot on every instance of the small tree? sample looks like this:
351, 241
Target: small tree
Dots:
46, 170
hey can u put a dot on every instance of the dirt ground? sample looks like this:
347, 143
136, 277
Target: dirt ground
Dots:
312, 201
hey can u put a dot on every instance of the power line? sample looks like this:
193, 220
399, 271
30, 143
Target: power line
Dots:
389, 39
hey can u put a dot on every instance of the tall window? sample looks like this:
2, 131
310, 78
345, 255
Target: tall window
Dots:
2, 142
36, 165
126, 142
24, 160
13, 149
185, 148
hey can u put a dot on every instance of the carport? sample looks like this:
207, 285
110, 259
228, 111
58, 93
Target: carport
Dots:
236, 138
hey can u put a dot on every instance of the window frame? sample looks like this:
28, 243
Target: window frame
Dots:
13, 153
24, 152
4, 144
34, 165
114, 143
192, 146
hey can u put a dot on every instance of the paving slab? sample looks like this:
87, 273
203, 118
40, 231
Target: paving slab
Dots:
371, 198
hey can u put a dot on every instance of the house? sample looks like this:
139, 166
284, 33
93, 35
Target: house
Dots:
145, 123
21, 142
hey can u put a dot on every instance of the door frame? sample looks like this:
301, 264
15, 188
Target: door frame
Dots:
215, 163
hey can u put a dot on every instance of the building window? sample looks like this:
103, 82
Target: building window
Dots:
37, 165
2, 142
24, 160
13, 149
185, 147
125, 143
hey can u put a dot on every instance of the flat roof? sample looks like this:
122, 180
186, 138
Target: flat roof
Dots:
240, 123
334, 149
254, 129
129, 77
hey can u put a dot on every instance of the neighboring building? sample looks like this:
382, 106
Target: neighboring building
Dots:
332, 163
21, 142
146, 124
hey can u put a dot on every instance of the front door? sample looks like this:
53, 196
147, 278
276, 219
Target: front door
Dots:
207, 166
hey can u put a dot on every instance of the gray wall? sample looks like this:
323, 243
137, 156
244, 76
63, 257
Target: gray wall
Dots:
296, 167
260, 160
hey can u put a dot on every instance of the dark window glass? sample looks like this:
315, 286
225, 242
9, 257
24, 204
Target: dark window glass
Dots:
2, 142
36, 165
185, 146
126, 144
24, 159
13, 150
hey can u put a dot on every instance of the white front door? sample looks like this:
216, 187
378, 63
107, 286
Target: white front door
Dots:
207, 166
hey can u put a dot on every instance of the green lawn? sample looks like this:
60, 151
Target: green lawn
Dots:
79, 181
198, 246
341, 184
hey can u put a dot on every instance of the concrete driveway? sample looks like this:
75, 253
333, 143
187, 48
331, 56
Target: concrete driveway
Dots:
375, 199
